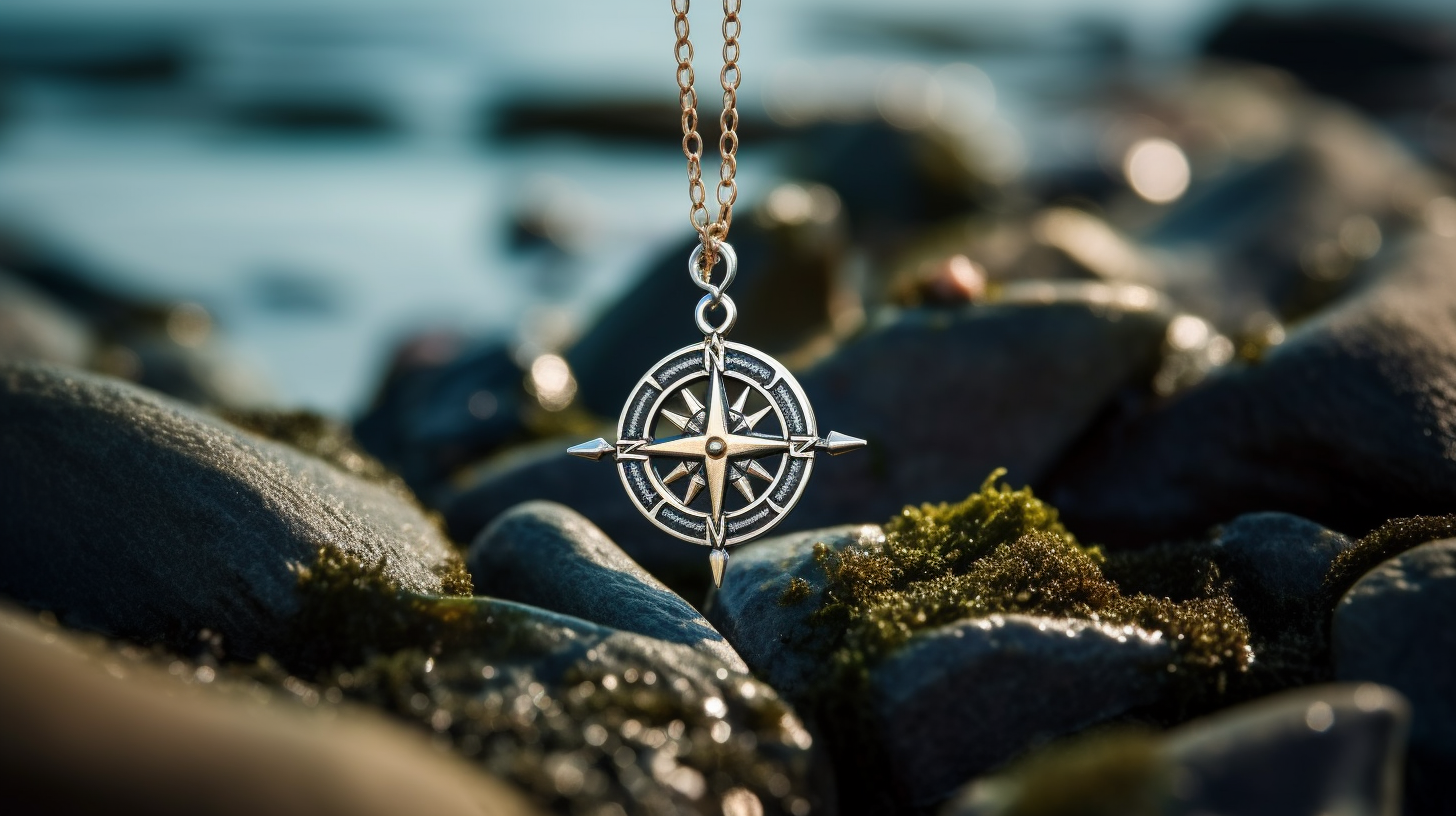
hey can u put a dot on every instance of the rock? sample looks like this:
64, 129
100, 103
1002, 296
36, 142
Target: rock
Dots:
585, 716
1397, 626
963, 699
441, 407
767, 624
1328, 749
34, 327
91, 729
1325, 749
1277, 558
547, 555
943, 397
954, 701
131, 514
1346, 424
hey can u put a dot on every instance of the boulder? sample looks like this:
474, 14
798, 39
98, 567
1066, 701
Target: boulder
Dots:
129, 513
549, 556
1346, 423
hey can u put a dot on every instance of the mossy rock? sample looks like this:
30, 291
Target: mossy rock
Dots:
959, 635
583, 716
132, 514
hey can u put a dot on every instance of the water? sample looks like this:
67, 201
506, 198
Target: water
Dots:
317, 254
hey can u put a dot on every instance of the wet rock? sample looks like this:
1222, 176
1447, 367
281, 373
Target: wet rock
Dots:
963, 699
1345, 423
769, 591
952, 701
131, 514
547, 555
942, 396
1326, 749
93, 729
1397, 626
584, 716
442, 406
1278, 558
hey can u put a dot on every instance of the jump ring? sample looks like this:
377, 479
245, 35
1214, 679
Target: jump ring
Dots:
730, 258
730, 315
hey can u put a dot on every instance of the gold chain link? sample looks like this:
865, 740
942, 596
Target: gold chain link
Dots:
711, 231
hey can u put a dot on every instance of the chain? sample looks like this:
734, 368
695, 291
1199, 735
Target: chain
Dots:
712, 231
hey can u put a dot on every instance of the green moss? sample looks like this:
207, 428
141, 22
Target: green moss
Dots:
564, 718
1116, 773
1003, 551
454, 578
795, 593
1387, 541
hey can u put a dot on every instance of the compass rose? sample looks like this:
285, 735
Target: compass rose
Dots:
681, 443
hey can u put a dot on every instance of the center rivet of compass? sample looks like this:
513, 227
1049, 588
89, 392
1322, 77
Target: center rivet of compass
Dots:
717, 447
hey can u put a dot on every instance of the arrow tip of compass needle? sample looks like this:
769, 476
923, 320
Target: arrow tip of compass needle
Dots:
595, 449
718, 560
837, 443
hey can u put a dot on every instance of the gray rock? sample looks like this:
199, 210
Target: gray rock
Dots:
955, 701
549, 556
1328, 749
943, 397
1319, 750
962, 699
771, 632
131, 514
1279, 558
1346, 423
1397, 626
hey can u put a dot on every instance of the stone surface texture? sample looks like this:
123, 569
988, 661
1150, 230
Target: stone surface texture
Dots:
961, 700
1333, 749
772, 633
1347, 423
1397, 626
549, 556
1280, 557
128, 513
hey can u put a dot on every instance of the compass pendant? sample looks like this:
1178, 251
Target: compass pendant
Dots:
717, 441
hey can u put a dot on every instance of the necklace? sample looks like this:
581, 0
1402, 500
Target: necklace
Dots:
679, 425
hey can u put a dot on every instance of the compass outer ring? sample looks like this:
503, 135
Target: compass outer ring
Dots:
783, 391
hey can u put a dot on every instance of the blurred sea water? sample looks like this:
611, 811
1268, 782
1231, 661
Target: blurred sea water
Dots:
318, 250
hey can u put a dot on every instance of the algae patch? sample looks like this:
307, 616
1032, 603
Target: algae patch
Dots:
1385, 542
1003, 551
796, 592
587, 719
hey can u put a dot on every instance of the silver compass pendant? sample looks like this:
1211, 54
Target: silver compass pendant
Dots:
716, 443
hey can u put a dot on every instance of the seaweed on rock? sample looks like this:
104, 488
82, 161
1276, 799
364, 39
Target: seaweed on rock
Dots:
1383, 543
1004, 551
581, 719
